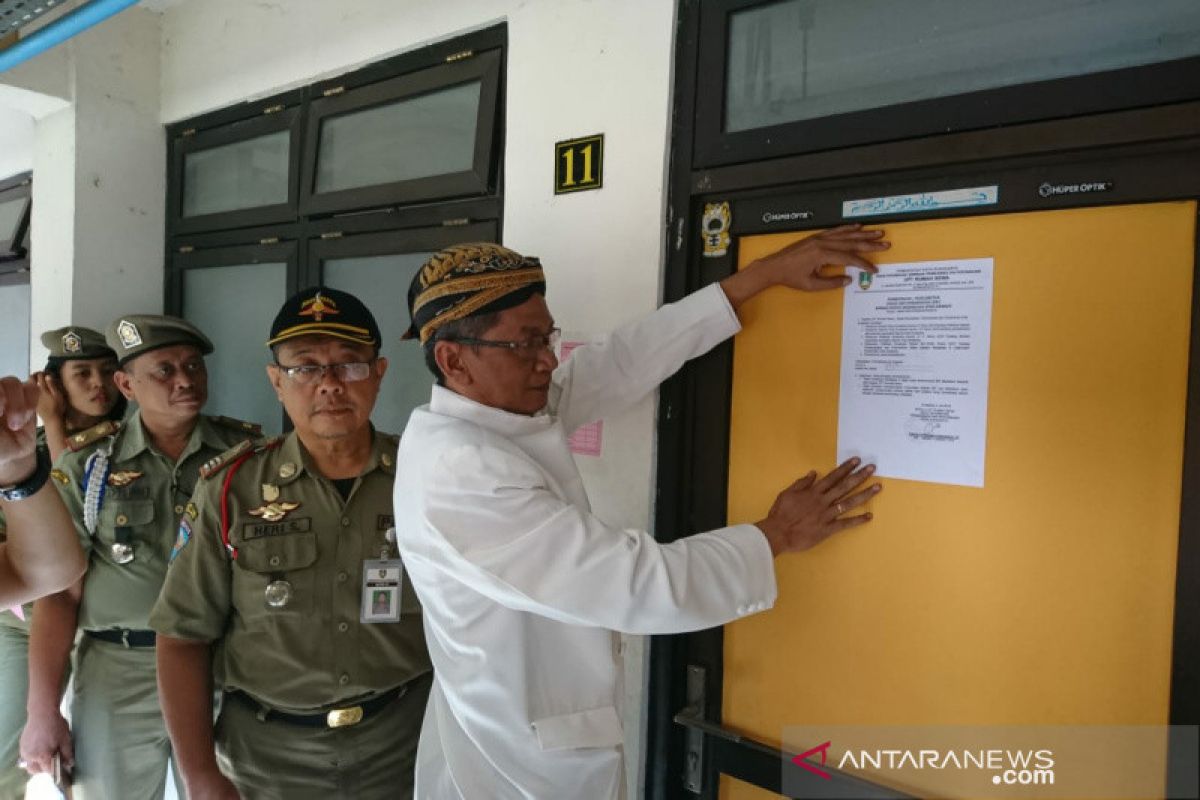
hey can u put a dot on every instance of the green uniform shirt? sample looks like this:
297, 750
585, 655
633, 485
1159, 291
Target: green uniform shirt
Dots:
145, 494
313, 653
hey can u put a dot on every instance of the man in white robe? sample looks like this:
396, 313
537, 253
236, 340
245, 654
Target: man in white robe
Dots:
524, 590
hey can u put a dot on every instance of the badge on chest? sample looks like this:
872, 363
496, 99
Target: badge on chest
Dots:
382, 579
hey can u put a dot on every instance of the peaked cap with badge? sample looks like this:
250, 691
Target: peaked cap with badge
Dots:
76, 342
469, 280
136, 334
321, 311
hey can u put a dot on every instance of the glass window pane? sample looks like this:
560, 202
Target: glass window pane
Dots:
245, 174
234, 306
382, 283
14, 334
433, 134
804, 59
10, 213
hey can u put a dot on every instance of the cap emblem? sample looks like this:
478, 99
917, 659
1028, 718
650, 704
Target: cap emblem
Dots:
318, 307
72, 343
129, 335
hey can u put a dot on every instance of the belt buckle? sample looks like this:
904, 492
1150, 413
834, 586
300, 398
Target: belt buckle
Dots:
125, 638
344, 717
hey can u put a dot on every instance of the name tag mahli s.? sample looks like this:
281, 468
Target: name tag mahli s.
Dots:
257, 530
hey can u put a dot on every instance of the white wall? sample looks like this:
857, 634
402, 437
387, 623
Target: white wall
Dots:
575, 68
16, 141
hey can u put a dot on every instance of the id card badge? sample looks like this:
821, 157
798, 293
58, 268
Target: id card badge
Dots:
382, 579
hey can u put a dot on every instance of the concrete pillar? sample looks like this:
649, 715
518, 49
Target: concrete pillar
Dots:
98, 174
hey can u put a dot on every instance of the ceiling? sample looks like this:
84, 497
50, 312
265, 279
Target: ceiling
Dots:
15, 14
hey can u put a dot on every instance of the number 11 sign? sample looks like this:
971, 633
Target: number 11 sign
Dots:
579, 164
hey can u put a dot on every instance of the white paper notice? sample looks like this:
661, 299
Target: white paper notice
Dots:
915, 343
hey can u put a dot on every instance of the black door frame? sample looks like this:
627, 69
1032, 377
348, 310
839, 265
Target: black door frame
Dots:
320, 246
1116, 157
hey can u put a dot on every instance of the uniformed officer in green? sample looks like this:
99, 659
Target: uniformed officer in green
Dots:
126, 487
286, 590
76, 391
76, 386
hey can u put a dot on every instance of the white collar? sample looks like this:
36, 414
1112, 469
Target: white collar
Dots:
452, 404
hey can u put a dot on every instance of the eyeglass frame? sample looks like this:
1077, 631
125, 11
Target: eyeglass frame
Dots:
322, 369
527, 350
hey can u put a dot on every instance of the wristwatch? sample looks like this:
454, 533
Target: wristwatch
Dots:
33, 483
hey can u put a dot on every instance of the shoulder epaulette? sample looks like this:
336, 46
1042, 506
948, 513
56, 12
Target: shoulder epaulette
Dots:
78, 441
238, 425
268, 444
218, 463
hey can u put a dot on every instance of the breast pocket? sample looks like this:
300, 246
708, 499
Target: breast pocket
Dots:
276, 577
130, 522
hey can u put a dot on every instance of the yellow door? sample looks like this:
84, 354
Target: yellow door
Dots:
1045, 597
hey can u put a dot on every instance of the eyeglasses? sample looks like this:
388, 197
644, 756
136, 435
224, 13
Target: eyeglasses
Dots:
528, 349
166, 371
349, 372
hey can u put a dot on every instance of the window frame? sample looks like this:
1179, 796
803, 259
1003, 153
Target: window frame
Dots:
225, 251
367, 237
13, 277
360, 221
345, 98
271, 116
14, 243
1056, 98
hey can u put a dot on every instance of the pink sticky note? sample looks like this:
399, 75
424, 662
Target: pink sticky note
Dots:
20, 612
585, 441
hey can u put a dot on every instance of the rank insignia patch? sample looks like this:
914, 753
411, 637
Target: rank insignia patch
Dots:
185, 535
124, 477
273, 512
129, 334
318, 307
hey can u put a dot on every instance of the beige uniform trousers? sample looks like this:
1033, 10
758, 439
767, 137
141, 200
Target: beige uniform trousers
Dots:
14, 683
279, 760
121, 744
